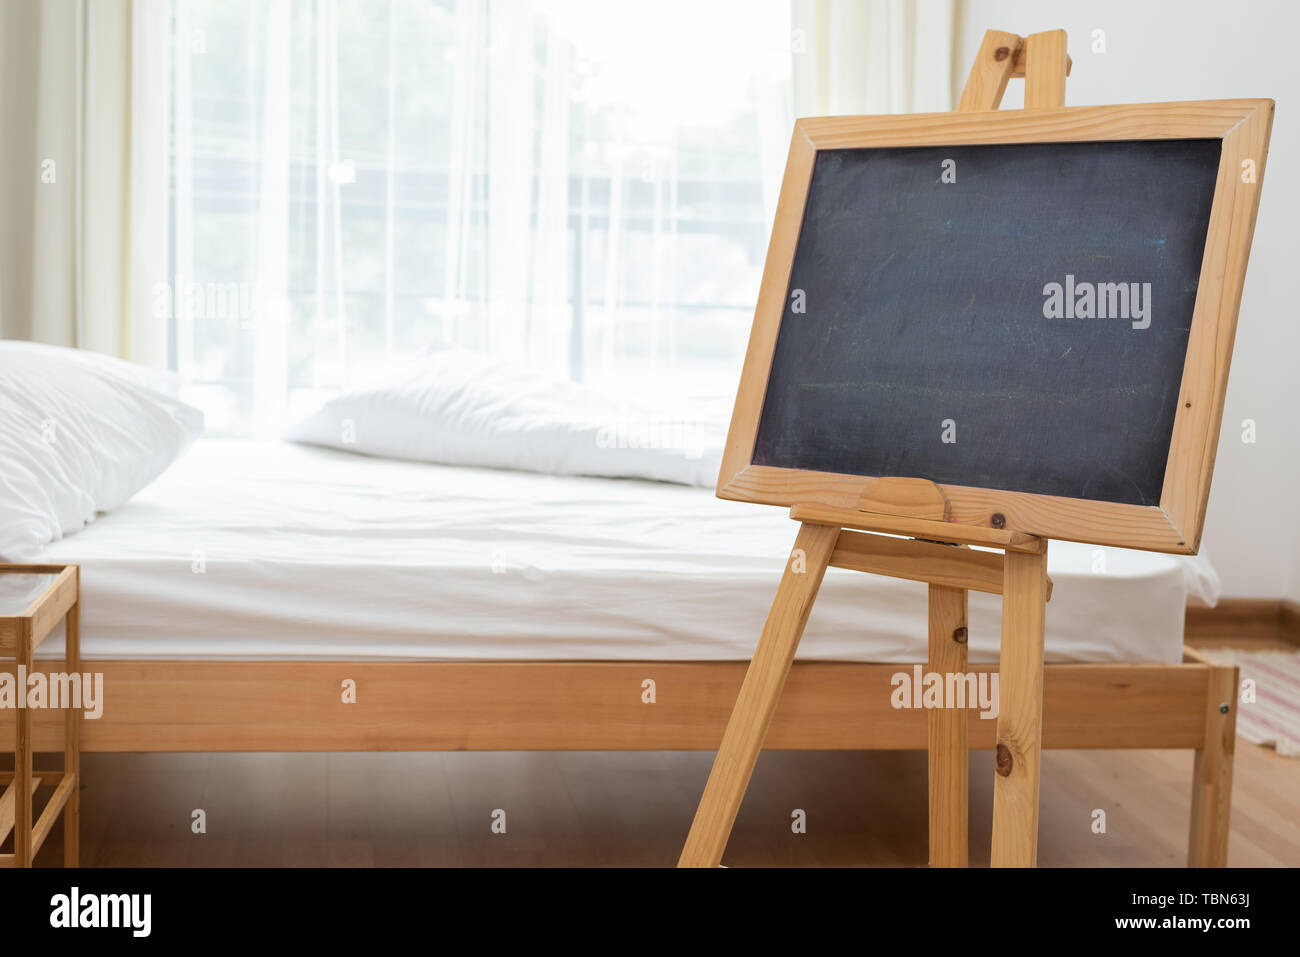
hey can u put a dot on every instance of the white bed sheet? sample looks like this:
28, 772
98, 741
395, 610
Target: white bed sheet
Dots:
248, 550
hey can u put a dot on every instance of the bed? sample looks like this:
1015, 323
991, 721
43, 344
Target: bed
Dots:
230, 603
276, 551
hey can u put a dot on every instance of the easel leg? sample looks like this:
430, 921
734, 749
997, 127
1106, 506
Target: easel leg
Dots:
1020, 714
949, 768
990, 72
758, 697
1212, 774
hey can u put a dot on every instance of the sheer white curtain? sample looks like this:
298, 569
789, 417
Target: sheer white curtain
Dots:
286, 197
508, 185
83, 153
582, 186
872, 56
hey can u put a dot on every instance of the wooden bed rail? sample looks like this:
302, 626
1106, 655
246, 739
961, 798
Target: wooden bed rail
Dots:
575, 706
209, 706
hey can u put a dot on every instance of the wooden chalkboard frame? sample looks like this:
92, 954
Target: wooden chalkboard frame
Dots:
1173, 526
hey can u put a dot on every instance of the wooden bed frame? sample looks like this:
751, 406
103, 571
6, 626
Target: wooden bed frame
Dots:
213, 706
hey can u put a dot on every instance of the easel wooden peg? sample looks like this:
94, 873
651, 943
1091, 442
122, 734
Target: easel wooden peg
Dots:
1039, 58
920, 509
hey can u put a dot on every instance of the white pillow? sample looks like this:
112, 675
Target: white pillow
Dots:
80, 434
464, 408
160, 380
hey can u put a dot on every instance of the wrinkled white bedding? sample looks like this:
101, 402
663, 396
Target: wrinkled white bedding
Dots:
276, 551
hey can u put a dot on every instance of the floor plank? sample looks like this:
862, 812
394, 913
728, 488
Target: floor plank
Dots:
634, 808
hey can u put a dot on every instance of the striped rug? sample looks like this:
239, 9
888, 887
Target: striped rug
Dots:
1273, 718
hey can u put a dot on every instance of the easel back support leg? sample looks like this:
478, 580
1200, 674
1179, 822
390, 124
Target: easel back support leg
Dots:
758, 697
1046, 66
949, 764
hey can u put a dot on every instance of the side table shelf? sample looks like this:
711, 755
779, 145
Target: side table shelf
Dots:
33, 600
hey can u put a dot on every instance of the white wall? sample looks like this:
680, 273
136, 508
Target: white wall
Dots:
1211, 49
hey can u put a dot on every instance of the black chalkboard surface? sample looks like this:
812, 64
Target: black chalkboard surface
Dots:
923, 336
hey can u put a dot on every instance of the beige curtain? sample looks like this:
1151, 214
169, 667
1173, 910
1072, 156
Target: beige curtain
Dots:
84, 107
872, 56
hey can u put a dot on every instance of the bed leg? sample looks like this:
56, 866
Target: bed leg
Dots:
949, 766
759, 694
1020, 711
1207, 844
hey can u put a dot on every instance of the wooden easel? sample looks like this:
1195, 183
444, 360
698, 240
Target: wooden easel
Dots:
937, 553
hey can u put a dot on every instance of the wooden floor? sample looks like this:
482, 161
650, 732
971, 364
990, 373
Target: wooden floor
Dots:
633, 809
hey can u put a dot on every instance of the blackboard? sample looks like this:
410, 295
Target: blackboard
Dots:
916, 341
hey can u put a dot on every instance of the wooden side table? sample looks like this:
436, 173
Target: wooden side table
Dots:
33, 600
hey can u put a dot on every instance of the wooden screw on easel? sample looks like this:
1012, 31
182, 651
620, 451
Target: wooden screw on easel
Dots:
918, 508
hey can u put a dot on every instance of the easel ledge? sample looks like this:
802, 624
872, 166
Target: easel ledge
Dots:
929, 529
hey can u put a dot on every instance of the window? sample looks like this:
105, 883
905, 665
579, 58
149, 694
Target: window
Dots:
585, 187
